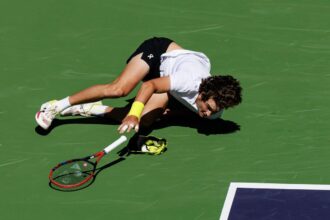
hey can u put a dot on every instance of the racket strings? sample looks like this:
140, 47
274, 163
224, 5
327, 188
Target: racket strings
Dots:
73, 173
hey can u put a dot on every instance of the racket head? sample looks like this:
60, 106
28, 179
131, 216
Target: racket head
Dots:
74, 173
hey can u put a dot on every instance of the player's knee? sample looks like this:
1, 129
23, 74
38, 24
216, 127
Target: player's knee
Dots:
115, 91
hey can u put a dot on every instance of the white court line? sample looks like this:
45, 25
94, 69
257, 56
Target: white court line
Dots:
13, 162
201, 29
233, 188
228, 202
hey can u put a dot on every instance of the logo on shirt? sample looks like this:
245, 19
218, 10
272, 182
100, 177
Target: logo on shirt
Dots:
150, 56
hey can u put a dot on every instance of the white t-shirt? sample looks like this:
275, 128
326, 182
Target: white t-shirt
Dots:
186, 69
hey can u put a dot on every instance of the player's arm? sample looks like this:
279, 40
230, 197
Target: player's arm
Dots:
158, 85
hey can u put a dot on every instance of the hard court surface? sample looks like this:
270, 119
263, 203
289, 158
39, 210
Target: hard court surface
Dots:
280, 51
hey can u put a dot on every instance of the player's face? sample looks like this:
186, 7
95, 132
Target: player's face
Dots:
206, 108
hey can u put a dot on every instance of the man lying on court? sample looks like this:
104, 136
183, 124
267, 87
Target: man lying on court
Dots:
168, 71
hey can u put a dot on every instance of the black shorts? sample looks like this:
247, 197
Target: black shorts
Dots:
151, 50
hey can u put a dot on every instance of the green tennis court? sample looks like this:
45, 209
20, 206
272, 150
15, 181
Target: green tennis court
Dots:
280, 51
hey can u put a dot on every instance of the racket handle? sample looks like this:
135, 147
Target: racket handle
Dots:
115, 144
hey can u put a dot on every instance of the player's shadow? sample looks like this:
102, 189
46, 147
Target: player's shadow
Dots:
69, 121
177, 116
89, 183
202, 126
191, 120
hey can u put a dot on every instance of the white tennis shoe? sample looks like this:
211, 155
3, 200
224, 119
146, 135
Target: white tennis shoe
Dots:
82, 109
47, 113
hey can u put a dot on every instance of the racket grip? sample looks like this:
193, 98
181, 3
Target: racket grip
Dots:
115, 144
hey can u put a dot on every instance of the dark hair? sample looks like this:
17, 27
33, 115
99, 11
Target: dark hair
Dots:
225, 90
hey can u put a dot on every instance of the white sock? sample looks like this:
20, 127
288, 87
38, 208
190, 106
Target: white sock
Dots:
63, 104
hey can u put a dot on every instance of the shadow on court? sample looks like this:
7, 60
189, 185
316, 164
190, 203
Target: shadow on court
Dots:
66, 121
202, 126
177, 116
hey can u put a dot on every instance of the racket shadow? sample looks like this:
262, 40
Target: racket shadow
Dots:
90, 183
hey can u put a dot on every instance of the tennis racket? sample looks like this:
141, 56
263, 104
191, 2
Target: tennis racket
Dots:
78, 172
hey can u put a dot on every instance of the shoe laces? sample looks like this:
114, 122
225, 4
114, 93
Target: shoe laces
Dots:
51, 112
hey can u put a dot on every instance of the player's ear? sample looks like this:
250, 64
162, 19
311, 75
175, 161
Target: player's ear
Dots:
199, 97
202, 96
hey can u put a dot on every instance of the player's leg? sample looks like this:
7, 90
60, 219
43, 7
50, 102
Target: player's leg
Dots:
143, 64
140, 66
141, 142
135, 71
154, 109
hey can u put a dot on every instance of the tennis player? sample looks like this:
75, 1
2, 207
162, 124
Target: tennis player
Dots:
167, 71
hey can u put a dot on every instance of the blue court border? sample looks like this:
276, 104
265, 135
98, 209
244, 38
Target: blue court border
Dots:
234, 186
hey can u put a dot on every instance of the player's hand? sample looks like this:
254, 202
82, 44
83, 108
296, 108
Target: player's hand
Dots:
130, 122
